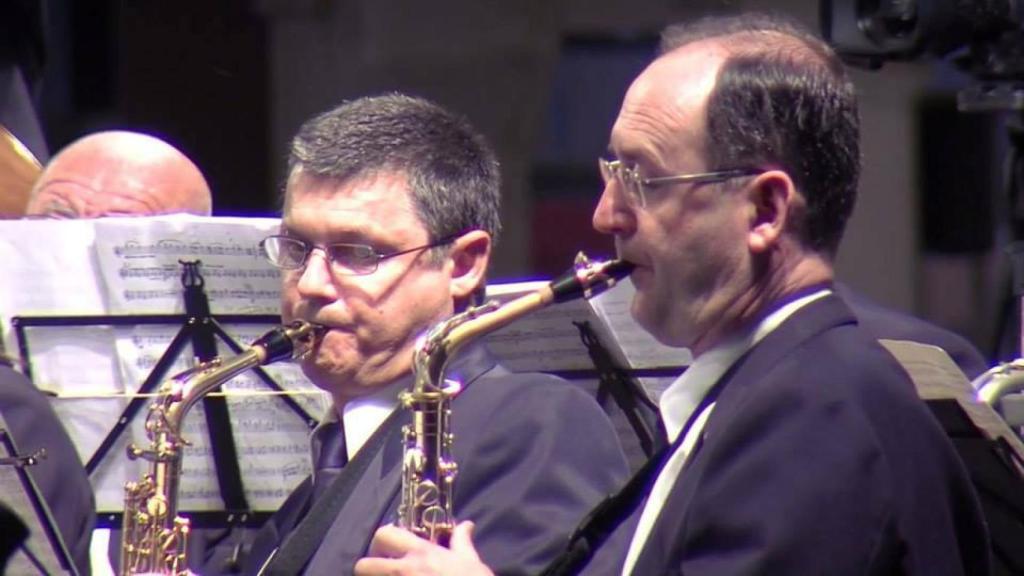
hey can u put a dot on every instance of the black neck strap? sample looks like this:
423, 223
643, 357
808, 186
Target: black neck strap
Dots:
294, 553
599, 524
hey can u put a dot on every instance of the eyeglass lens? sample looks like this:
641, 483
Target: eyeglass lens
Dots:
292, 253
625, 177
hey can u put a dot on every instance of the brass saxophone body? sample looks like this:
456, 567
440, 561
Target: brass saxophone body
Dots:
428, 470
1000, 381
155, 538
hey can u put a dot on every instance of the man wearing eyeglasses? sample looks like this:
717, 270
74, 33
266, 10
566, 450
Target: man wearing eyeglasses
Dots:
390, 213
798, 444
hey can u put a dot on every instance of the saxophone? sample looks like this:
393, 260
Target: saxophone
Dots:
999, 381
154, 537
428, 470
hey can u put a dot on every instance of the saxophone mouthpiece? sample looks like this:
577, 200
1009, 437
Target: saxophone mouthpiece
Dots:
293, 341
617, 269
587, 278
301, 330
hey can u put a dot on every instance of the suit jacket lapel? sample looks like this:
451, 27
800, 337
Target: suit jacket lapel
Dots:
374, 500
805, 323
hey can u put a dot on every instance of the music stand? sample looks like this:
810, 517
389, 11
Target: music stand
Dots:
990, 450
202, 329
44, 551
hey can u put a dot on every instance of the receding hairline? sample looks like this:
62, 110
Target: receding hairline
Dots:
738, 44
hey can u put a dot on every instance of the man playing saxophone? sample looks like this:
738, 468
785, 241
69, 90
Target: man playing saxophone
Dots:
798, 445
390, 215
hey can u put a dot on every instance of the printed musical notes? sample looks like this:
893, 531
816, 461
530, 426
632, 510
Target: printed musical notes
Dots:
142, 272
130, 266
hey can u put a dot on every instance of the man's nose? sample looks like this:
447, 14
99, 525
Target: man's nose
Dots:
613, 215
315, 278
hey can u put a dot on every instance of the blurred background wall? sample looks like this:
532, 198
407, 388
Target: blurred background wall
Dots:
230, 81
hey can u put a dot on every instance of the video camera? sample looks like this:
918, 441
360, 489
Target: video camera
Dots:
986, 38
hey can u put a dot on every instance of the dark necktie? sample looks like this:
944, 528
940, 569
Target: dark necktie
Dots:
331, 456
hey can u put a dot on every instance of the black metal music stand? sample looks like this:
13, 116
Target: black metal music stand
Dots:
202, 329
43, 551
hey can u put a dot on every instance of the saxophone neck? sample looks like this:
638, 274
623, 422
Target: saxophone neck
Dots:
428, 469
441, 343
293, 341
585, 279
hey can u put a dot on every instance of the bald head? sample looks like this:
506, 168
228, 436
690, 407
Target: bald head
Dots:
119, 173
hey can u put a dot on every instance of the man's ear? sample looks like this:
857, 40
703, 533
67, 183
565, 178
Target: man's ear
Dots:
470, 255
772, 198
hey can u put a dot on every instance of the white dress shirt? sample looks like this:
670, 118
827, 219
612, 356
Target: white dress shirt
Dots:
683, 396
363, 416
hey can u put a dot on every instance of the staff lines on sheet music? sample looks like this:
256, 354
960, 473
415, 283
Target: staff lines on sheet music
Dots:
177, 247
163, 272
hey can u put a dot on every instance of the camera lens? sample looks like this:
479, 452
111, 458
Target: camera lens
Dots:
881, 20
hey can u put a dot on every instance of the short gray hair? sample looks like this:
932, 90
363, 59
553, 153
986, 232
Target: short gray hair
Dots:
452, 172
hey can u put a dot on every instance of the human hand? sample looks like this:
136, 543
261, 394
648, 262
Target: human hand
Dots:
395, 551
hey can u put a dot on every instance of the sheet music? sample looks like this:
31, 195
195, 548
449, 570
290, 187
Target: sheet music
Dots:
129, 266
272, 442
936, 376
55, 276
140, 264
546, 340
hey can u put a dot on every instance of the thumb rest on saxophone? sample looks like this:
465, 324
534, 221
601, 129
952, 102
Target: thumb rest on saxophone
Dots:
428, 470
154, 537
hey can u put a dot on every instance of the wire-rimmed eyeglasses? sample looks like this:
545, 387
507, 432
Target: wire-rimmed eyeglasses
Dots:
629, 178
289, 253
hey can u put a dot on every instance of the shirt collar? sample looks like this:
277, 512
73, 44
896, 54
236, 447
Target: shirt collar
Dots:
363, 415
683, 396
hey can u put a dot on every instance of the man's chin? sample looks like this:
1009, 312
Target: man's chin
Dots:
643, 315
323, 377
641, 277
657, 323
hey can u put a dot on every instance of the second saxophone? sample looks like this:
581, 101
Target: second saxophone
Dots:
428, 470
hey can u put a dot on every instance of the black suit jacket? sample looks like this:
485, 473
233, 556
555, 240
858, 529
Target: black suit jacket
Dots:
818, 458
61, 477
534, 454
882, 322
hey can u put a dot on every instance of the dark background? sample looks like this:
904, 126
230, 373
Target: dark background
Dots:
229, 81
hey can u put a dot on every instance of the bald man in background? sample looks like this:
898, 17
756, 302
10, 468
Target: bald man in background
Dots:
119, 173
112, 173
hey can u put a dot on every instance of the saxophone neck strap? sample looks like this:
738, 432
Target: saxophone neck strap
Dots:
294, 553
603, 520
